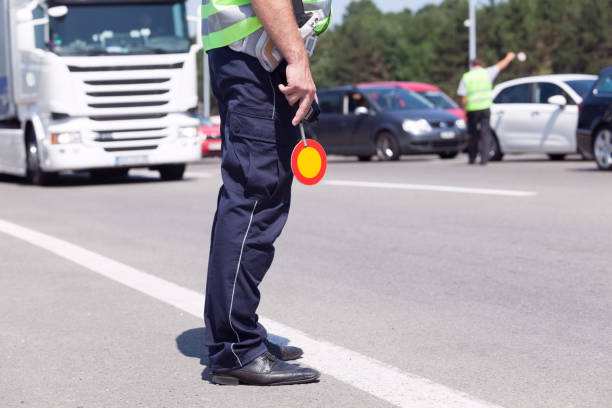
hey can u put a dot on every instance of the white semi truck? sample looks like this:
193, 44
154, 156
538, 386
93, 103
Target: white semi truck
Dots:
96, 85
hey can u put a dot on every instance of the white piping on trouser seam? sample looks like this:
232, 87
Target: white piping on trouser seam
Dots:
273, 95
234, 287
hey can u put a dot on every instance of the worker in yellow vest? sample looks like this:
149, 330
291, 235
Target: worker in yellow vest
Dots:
476, 89
258, 56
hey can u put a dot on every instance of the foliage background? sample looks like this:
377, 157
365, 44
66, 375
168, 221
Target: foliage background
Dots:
431, 45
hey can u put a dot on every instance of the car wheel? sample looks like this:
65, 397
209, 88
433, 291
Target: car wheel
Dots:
387, 147
34, 174
109, 175
172, 172
365, 158
602, 148
556, 157
495, 152
448, 156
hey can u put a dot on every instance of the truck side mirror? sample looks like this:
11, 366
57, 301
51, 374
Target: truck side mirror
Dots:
361, 110
197, 20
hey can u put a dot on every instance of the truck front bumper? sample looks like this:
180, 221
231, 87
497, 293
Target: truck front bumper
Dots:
84, 157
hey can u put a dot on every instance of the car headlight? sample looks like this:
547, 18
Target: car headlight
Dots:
416, 127
65, 138
460, 123
190, 131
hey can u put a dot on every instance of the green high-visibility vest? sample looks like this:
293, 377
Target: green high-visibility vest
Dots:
227, 21
479, 90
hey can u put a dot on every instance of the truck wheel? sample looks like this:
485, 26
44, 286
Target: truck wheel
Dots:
34, 174
172, 172
387, 147
109, 175
448, 156
602, 149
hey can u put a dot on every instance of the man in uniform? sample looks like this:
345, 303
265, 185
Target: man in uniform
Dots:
475, 90
259, 113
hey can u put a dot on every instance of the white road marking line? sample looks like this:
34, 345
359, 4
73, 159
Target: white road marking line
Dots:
429, 187
381, 380
192, 174
188, 174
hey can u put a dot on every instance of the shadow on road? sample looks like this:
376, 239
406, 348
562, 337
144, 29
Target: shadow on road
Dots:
592, 169
191, 344
336, 159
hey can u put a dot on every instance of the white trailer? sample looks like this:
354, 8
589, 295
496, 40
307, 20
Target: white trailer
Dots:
96, 85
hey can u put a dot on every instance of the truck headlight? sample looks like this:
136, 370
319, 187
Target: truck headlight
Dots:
416, 127
65, 138
190, 132
460, 123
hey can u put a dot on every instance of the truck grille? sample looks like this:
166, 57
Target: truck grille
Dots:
127, 104
128, 81
73, 68
129, 148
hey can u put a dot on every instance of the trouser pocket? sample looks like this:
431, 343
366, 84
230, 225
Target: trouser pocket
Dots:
256, 160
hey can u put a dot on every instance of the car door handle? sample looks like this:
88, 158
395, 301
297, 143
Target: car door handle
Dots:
535, 113
500, 112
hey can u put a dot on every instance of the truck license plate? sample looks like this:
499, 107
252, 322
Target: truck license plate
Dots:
447, 135
131, 160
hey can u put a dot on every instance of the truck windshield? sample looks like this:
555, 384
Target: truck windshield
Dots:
120, 29
397, 99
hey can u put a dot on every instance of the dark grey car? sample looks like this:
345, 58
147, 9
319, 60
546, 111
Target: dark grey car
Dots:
386, 122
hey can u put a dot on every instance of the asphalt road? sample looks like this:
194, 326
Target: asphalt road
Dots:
507, 298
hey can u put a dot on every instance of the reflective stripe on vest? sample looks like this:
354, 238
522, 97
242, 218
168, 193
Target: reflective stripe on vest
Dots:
479, 90
227, 21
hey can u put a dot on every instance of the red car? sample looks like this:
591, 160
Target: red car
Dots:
430, 92
210, 134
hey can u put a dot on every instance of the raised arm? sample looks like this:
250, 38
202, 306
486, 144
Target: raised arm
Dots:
278, 20
503, 64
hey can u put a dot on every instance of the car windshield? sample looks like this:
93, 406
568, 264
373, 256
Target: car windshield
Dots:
581, 86
120, 29
388, 99
439, 99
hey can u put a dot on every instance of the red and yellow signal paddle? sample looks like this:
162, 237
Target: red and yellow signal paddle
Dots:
308, 160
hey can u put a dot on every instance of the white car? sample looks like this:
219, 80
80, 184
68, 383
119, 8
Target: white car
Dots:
538, 114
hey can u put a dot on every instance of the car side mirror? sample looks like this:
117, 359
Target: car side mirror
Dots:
558, 100
361, 110
57, 11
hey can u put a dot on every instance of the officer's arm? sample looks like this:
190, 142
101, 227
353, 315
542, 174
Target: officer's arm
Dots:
464, 101
503, 64
279, 22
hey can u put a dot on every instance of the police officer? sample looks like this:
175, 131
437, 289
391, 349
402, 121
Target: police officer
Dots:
259, 113
475, 90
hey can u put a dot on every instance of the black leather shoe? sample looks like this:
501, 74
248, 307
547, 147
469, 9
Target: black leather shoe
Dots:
285, 353
267, 370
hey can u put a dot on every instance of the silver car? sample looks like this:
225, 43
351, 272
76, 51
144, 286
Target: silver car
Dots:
538, 114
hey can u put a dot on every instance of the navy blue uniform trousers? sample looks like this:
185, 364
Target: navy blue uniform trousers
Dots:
252, 206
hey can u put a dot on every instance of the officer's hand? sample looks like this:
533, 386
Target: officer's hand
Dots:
300, 88
511, 56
